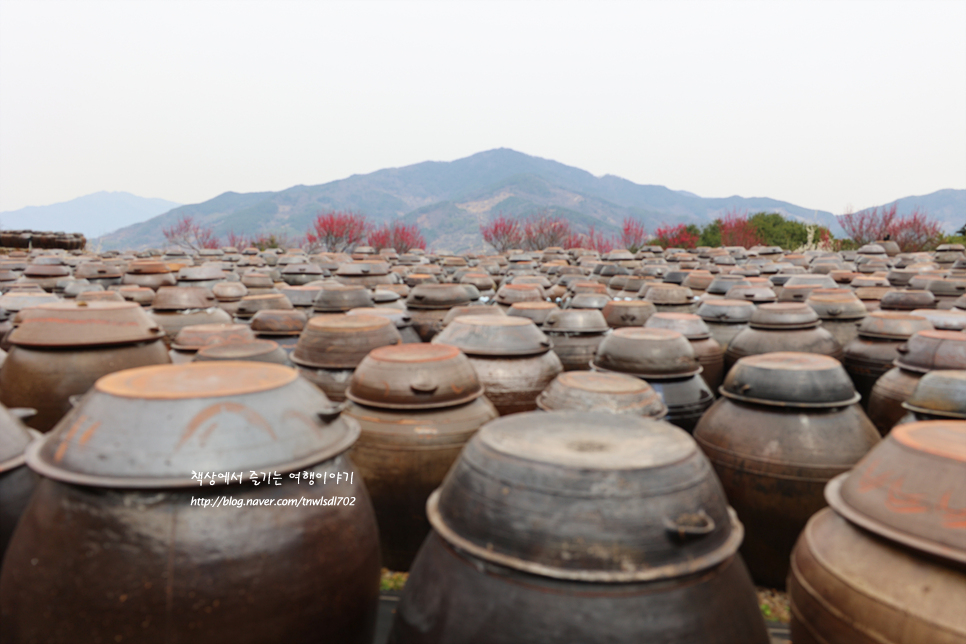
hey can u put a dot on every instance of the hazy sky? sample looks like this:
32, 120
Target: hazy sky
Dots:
823, 104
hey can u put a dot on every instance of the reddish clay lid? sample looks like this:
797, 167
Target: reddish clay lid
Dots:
929, 350
909, 488
192, 338
79, 324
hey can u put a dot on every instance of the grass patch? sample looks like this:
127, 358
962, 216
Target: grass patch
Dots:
392, 580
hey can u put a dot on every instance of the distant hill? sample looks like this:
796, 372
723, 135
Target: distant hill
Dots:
93, 215
947, 206
450, 199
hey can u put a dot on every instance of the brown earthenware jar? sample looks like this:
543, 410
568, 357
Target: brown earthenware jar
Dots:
17, 481
725, 318
870, 569
188, 563
666, 360
174, 308
332, 346
784, 326
418, 405
619, 528
60, 350
706, 349
576, 334
512, 358
841, 312
787, 424
875, 349
923, 352
192, 338
536, 311
429, 303
621, 313
401, 319
150, 274
616, 393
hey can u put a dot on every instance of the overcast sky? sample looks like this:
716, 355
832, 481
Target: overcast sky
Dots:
823, 104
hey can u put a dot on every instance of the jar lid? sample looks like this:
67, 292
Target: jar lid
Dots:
181, 298
940, 393
725, 311
414, 376
909, 488
790, 379
83, 324
929, 350
616, 393
338, 341
647, 353
784, 315
575, 321
281, 322
659, 511
891, 325
437, 296
689, 325
152, 427
196, 336
488, 335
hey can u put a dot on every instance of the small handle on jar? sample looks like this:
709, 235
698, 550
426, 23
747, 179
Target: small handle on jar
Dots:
690, 525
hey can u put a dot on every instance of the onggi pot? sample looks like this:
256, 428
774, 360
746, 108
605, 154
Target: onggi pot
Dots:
170, 511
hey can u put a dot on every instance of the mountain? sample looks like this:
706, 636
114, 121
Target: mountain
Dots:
946, 206
449, 199
93, 215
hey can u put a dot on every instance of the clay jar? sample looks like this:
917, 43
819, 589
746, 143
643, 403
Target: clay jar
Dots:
621, 313
417, 405
872, 353
332, 346
939, 395
17, 481
401, 319
615, 393
60, 350
251, 351
149, 273
512, 358
579, 527
706, 349
279, 325
192, 338
787, 424
841, 312
536, 311
429, 303
877, 566
666, 360
174, 308
785, 326
922, 353
576, 334
123, 470
725, 318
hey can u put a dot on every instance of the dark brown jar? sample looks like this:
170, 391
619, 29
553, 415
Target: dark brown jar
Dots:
167, 555
192, 338
621, 313
536, 311
939, 395
841, 312
149, 273
666, 360
512, 358
872, 353
17, 481
576, 334
725, 318
787, 424
922, 353
279, 325
579, 527
332, 346
418, 405
885, 563
60, 350
785, 326
615, 393
706, 349
174, 308
429, 303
